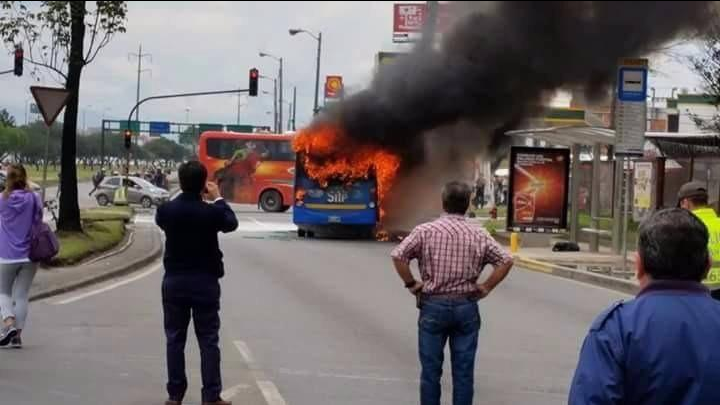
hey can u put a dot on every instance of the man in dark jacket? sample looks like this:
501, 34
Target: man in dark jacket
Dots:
658, 348
193, 267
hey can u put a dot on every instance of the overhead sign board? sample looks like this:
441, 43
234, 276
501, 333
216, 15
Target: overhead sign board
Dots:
159, 128
631, 107
50, 101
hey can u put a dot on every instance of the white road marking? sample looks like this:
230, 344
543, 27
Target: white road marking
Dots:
144, 219
271, 393
244, 351
234, 390
250, 225
109, 287
268, 389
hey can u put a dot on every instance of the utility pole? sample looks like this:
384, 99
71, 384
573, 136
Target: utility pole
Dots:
280, 113
238, 109
140, 55
294, 110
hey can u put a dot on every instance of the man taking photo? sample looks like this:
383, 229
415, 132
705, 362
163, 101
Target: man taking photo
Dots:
193, 267
451, 254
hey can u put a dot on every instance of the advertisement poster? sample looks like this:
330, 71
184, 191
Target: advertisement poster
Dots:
538, 200
333, 87
409, 19
642, 190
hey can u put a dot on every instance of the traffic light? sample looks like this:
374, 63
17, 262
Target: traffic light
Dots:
128, 138
254, 76
19, 55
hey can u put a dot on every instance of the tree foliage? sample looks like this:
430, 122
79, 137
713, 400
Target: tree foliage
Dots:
6, 120
54, 35
707, 67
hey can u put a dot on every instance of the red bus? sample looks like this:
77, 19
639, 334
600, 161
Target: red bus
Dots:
251, 168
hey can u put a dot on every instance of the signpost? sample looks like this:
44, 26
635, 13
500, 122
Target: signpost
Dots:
630, 125
333, 87
537, 200
159, 128
50, 101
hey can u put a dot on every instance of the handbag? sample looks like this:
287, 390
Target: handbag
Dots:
44, 245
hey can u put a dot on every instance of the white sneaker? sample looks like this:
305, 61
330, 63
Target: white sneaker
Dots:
7, 334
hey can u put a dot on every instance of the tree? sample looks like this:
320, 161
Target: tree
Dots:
12, 141
707, 66
6, 120
165, 149
52, 34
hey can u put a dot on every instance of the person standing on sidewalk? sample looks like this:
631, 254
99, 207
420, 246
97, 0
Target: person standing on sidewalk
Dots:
20, 208
693, 197
451, 254
659, 348
193, 267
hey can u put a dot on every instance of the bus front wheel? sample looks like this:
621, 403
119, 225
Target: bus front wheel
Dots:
301, 233
271, 201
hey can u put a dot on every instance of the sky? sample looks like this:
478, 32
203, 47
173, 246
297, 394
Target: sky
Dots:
204, 46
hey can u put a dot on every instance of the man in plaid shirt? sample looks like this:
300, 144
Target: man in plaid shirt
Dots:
451, 254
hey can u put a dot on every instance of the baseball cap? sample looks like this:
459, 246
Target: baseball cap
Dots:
692, 189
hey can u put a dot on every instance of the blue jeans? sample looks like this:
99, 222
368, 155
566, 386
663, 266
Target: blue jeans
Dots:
459, 321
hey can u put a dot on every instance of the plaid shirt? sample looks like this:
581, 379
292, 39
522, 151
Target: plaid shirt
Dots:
451, 254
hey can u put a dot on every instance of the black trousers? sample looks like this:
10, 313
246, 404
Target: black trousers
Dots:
196, 296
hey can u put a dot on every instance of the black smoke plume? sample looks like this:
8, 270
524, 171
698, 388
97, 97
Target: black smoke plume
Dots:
501, 60
438, 107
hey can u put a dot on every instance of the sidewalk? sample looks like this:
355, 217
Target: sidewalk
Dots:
603, 268
142, 246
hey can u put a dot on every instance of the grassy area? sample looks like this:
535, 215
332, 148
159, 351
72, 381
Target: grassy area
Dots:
106, 214
52, 174
606, 225
485, 212
103, 229
97, 237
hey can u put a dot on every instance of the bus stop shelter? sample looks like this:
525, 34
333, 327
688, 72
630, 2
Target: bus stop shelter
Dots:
688, 146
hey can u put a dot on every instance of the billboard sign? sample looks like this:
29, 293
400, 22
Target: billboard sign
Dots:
538, 189
409, 19
333, 87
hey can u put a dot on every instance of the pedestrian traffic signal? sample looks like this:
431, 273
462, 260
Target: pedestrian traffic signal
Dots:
128, 139
254, 76
19, 57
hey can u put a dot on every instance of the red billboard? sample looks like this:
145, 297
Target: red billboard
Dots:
538, 189
409, 19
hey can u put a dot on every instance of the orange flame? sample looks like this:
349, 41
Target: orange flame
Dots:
331, 155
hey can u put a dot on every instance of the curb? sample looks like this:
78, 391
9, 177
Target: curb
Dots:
130, 267
600, 280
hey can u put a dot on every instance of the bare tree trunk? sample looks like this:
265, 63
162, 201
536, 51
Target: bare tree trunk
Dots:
69, 218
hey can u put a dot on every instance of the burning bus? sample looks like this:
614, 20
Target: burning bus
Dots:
339, 184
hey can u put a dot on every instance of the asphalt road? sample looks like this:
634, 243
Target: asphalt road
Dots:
305, 322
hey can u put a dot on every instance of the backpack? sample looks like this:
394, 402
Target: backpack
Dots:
44, 245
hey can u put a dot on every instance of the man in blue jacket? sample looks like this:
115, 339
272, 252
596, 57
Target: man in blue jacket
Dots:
661, 347
193, 267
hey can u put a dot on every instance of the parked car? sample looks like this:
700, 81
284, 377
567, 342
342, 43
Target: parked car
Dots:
3, 175
139, 191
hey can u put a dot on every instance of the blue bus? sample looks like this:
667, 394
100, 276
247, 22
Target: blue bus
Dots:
339, 209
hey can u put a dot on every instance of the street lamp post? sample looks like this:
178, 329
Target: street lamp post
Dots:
318, 38
275, 101
280, 91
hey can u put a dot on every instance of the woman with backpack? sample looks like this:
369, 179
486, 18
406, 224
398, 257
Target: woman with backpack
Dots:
20, 211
